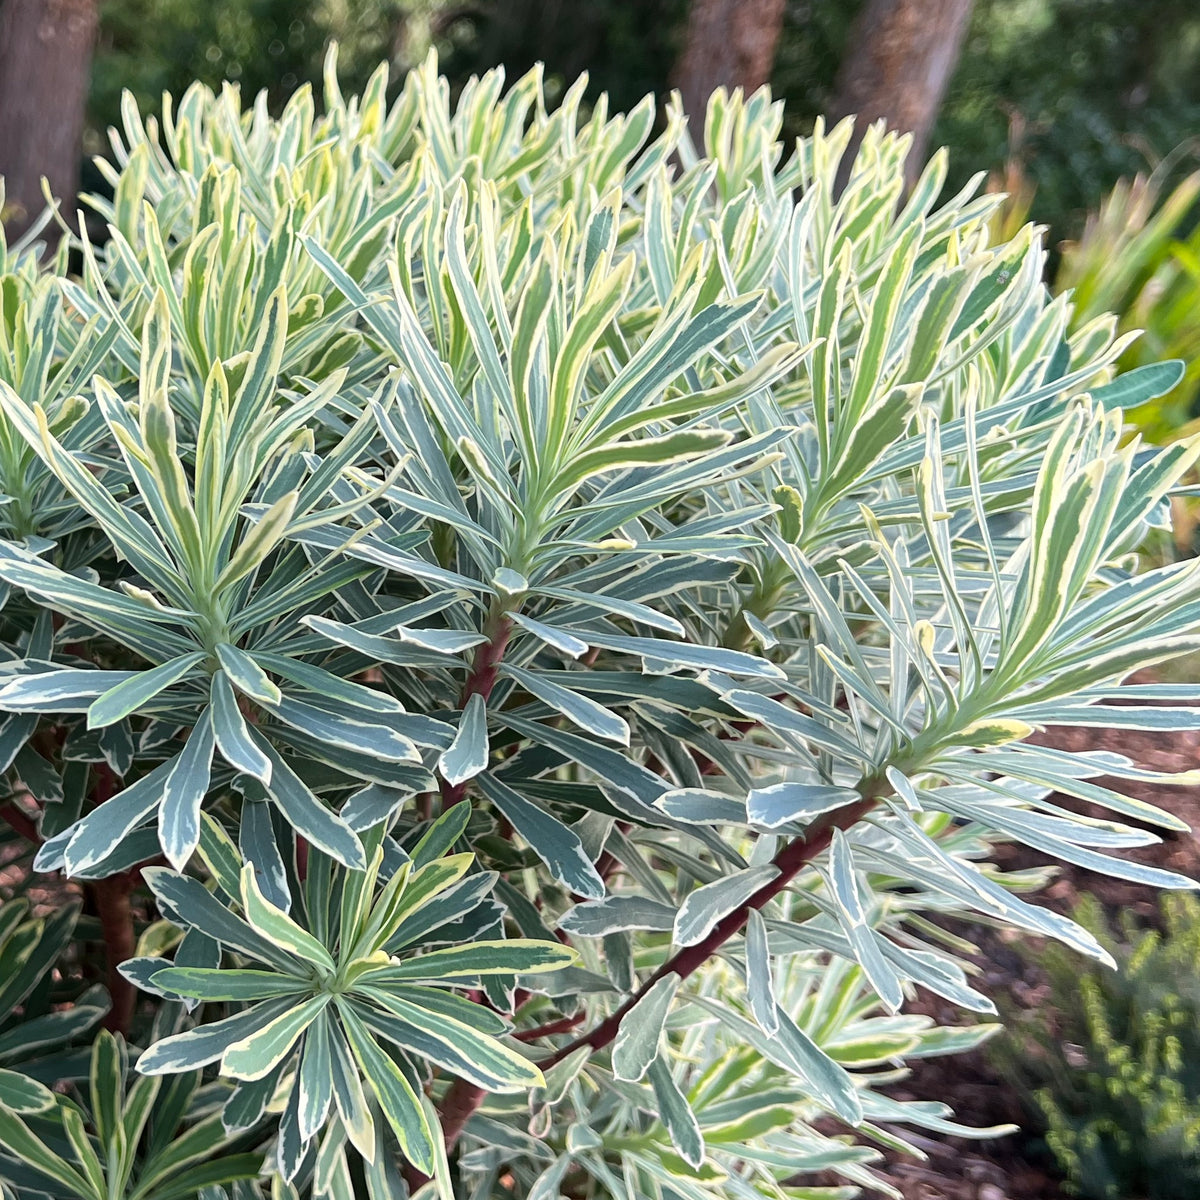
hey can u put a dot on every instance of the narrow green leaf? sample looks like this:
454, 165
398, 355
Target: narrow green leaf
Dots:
315, 1078
246, 675
205, 1044
397, 1099
21, 1142
555, 844
61, 691
99, 834
254, 1055
212, 984
562, 641
636, 1044
704, 906
662, 653
307, 814
184, 792
580, 710
232, 734
617, 914
782, 803
511, 956
20, 1094
275, 925
348, 1094
853, 919
467, 755
676, 1114
760, 984
455, 1045
265, 534
1135, 387
129, 695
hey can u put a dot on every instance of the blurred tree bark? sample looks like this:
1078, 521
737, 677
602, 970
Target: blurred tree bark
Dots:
728, 43
45, 63
898, 62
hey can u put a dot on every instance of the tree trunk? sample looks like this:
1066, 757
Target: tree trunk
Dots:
729, 43
897, 66
45, 64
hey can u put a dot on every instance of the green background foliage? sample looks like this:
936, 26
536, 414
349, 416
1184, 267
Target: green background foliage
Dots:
1079, 93
1111, 1063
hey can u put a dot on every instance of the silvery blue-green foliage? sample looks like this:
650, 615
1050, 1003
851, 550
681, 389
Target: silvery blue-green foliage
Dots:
568, 606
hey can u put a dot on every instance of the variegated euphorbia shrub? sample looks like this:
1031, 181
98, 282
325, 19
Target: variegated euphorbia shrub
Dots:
518, 626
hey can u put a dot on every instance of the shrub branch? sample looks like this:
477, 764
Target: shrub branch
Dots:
481, 679
463, 1098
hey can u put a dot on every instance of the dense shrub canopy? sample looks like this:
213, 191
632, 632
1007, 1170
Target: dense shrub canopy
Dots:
538, 619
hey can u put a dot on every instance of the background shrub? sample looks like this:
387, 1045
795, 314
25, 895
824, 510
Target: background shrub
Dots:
1113, 1072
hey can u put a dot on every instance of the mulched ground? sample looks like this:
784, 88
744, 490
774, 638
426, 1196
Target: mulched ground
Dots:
1018, 1167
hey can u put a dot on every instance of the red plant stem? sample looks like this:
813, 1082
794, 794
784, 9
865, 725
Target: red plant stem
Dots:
790, 861
456, 1109
488, 658
562, 1025
20, 822
116, 924
481, 679
111, 896
463, 1098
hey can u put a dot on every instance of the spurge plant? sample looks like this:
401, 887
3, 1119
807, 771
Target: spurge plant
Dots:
517, 625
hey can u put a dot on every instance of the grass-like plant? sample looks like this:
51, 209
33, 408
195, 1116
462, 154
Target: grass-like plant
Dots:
515, 622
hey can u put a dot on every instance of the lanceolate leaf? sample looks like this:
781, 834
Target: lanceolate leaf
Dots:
232, 735
679, 654
59, 691
183, 794
205, 1044
580, 710
759, 983
514, 956
393, 1092
675, 1114
128, 697
252, 1056
467, 755
306, 812
1139, 385
20, 1094
636, 1044
456, 1044
705, 906
557, 845
95, 837
211, 984
246, 675
277, 926
782, 803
